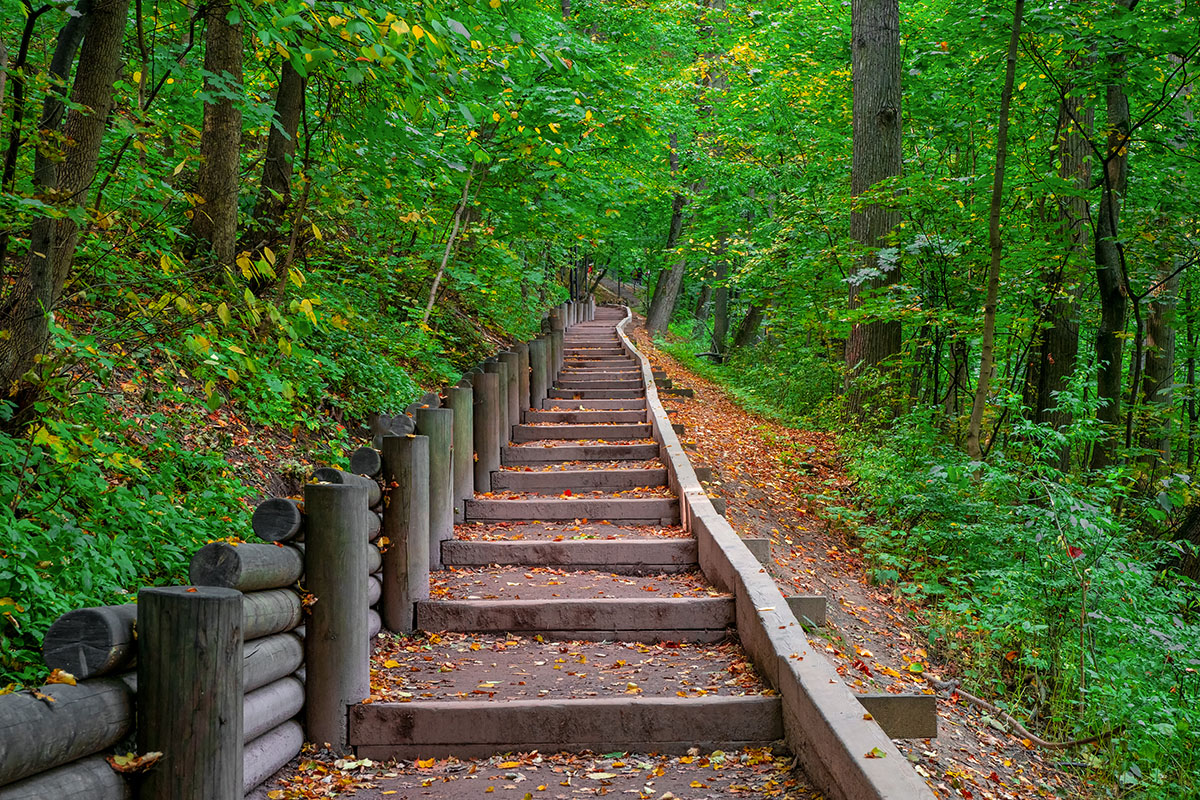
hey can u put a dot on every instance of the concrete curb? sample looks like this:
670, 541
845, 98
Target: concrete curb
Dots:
823, 720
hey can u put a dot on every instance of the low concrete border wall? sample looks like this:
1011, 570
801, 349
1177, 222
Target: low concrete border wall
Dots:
823, 720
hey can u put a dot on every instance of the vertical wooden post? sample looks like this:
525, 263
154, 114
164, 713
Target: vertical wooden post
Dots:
503, 430
460, 400
438, 425
512, 385
190, 691
486, 417
537, 372
557, 326
336, 643
406, 526
523, 400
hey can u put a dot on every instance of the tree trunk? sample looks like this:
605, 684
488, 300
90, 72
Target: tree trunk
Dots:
215, 218
25, 315
274, 195
987, 351
721, 303
701, 312
666, 290
1110, 261
748, 329
877, 155
1158, 376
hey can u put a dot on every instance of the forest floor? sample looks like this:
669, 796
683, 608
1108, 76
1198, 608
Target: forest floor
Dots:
766, 472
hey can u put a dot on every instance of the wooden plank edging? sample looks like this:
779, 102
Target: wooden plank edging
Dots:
823, 721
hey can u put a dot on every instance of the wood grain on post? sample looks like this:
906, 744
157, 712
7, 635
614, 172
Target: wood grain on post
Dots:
503, 431
246, 567
190, 692
460, 401
90, 778
512, 385
36, 735
270, 658
89, 642
271, 705
438, 425
374, 525
336, 644
486, 418
406, 526
523, 401
277, 519
374, 589
343, 478
366, 461
537, 373
374, 559
265, 755
269, 612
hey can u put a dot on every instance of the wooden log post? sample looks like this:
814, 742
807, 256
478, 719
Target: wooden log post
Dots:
537, 373
406, 527
438, 425
557, 326
263, 756
366, 461
271, 705
512, 386
246, 567
270, 612
270, 658
523, 401
277, 519
461, 399
88, 642
90, 778
485, 414
336, 644
503, 431
36, 735
190, 692
343, 478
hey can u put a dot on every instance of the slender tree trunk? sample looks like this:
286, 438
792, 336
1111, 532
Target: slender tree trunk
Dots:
987, 350
666, 289
566, 10
1158, 374
450, 240
215, 219
25, 316
276, 190
748, 329
1110, 260
721, 303
877, 155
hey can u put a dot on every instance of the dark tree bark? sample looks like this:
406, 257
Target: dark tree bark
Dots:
987, 353
720, 334
748, 329
1110, 259
25, 314
1158, 372
701, 312
877, 155
275, 193
214, 220
666, 289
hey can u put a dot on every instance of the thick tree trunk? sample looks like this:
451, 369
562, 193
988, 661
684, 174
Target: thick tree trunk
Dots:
875, 64
748, 329
666, 290
1110, 262
25, 315
721, 304
275, 194
987, 352
215, 219
1158, 376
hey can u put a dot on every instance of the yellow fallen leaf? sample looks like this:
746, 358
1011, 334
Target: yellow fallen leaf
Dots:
391, 663
61, 676
425, 764
509, 764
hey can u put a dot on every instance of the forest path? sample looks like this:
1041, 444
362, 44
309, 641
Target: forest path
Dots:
768, 475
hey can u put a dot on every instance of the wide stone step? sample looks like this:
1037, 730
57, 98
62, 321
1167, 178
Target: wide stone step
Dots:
616, 432
638, 510
596, 394
480, 728
585, 417
515, 456
554, 481
574, 383
555, 404
593, 352
621, 556
585, 374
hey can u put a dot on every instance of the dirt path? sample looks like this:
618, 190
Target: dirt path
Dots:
763, 470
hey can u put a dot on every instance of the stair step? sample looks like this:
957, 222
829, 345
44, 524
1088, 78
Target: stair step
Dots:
594, 352
574, 384
584, 417
580, 374
596, 394
621, 556
562, 403
480, 728
513, 456
619, 431
558, 479
638, 510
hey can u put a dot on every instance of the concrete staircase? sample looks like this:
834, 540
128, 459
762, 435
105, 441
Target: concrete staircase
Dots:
576, 548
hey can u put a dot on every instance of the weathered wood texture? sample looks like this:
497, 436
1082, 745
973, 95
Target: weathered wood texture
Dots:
523, 401
538, 386
340, 477
486, 418
406, 526
512, 385
265, 755
190, 692
266, 613
246, 567
366, 461
270, 658
438, 425
88, 642
36, 735
500, 369
461, 399
91, 778
270, 706
277, 519
336, 642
